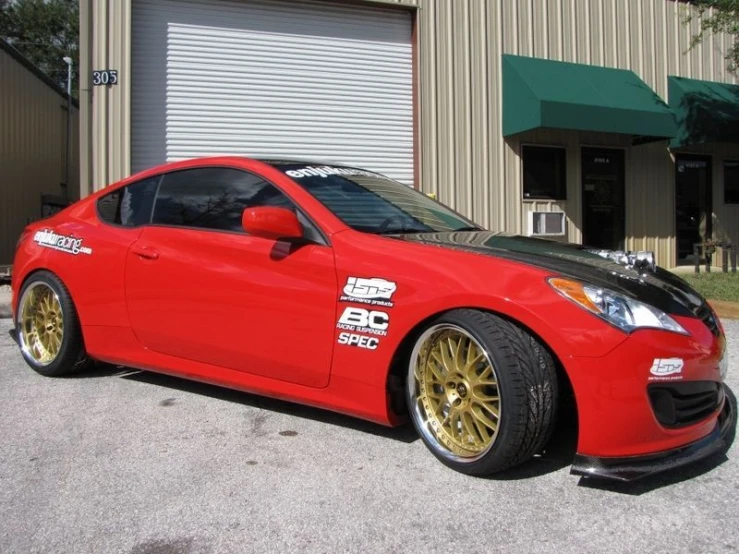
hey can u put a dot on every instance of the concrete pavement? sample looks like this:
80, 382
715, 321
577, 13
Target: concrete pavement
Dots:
123, 461
5, 297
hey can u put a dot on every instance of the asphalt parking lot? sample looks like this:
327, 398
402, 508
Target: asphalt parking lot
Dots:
131, 462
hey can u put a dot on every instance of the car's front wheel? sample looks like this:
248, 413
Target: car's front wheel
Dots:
48, 328
481, 391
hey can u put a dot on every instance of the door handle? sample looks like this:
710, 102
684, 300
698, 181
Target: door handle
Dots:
145, 252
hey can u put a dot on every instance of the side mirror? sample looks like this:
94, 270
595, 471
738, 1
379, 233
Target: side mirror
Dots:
271, 223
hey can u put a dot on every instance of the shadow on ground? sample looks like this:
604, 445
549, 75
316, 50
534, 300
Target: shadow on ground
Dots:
405, 433
557, 454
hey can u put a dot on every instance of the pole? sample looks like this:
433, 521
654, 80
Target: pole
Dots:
697, 257
68, 146
85, 88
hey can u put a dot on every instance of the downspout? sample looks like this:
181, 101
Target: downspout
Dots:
85, 111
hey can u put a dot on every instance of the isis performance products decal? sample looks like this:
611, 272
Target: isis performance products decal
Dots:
360, 320
667, 368
374, 291
362, 341
71, 245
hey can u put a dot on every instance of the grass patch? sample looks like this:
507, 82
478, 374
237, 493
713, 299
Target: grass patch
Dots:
715, 286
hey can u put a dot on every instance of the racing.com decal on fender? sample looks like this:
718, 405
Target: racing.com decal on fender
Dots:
71, 245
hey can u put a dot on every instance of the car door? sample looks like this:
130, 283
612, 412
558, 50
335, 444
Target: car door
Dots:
198, 287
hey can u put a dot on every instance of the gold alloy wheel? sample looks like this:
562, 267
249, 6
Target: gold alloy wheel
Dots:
40, 323
457, 401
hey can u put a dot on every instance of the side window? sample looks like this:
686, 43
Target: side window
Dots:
213, 198
129, 206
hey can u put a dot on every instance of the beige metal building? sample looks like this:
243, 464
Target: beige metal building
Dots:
33, 135
630, 144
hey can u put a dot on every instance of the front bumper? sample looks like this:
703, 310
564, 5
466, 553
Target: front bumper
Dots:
618, 414
631, 468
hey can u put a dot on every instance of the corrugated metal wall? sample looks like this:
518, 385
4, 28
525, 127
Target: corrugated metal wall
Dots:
33, 126
463, 156
466, 160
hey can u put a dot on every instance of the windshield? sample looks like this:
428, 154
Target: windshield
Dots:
372, 203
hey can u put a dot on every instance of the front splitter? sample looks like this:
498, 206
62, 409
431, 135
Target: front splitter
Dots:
636, 467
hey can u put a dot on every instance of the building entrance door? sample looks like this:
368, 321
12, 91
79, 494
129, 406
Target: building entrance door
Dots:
693, 217
603, 217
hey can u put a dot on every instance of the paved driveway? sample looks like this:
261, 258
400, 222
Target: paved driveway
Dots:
130, 462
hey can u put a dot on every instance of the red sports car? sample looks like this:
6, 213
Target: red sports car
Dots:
337, 287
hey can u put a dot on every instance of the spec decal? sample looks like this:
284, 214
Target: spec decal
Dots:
374, 291
71, 245
326, 170
362, 341
667, 367
364, 321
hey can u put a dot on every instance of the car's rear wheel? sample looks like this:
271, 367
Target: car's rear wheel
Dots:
48, 328
481, 391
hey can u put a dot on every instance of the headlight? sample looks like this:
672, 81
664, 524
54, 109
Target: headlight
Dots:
619, 310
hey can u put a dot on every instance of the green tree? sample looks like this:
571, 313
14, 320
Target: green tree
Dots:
715, 17
44, 31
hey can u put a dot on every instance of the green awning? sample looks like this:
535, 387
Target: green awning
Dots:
705, 111
541, 93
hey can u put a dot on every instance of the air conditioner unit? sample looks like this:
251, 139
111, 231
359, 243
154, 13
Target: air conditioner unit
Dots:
547, 224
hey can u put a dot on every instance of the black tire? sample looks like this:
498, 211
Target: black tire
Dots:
527, 391
70, 356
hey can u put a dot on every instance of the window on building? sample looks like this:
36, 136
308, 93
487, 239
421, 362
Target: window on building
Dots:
213, 198
129, 206
544, 173
731, 182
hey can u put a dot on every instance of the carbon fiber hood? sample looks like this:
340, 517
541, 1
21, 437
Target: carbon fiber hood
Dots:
656, 287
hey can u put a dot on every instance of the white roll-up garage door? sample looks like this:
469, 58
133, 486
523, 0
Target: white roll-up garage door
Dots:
272, 78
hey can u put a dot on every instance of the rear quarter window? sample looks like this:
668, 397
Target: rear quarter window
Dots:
129, 206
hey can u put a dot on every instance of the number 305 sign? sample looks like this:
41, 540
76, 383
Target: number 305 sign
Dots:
101, 77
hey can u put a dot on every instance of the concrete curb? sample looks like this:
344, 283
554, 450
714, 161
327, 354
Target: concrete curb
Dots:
725, 310
690, 269
5, 297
